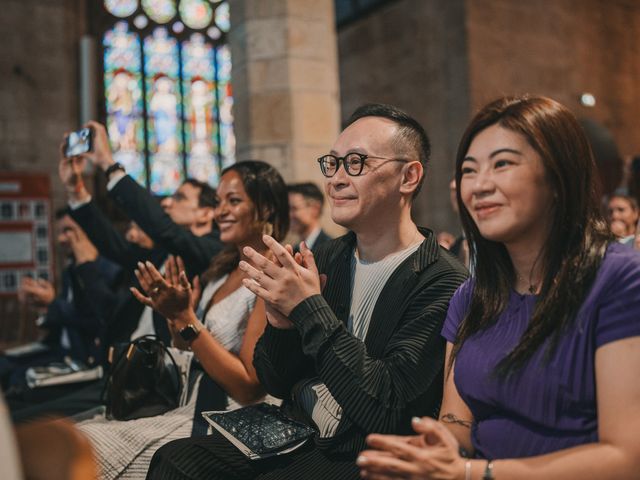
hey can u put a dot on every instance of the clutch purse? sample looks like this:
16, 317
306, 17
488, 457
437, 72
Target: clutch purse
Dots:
260, 431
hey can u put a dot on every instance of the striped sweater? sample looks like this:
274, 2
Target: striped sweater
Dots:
395, 373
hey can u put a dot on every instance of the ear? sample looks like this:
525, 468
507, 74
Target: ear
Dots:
317, 207
266, 214
411, 176
205, 214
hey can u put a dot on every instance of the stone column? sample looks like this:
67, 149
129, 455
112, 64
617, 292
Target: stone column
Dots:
285, 80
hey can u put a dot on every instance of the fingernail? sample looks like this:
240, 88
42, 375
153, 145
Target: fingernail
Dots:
140, 264
361, 460
148, 264
416, 419
246, 250
242, 265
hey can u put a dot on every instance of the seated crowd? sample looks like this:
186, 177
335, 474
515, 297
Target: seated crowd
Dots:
401, 363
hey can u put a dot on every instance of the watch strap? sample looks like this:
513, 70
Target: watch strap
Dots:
114, 167
189, 333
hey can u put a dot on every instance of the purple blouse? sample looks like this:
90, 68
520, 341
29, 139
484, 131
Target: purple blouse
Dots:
544, 407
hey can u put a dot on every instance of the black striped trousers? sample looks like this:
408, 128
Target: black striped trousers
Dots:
214, 458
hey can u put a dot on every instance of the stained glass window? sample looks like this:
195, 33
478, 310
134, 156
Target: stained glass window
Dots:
160, 11
167, 89
121, 8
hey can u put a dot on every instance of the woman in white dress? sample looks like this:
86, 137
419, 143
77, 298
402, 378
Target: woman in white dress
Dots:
222, 332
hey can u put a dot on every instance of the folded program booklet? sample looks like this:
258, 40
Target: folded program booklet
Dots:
260, 431
60, 374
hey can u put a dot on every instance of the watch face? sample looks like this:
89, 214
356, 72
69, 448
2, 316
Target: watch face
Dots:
189, 333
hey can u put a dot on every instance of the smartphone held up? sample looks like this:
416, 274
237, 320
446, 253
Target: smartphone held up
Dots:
79, 142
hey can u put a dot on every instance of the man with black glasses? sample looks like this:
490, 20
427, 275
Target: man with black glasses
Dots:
365, 355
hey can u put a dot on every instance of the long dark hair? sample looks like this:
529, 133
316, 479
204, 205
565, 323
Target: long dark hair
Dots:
268, 193
577, 239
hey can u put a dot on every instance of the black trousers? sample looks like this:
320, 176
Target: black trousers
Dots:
214, 458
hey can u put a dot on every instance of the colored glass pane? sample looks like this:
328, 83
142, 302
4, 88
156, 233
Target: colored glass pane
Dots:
141, 21
160, 11
121, 8
195, 13
123, 92
225, 106
164, 138
222, 17
201, 133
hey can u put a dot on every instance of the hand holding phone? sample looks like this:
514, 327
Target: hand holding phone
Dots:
79, 142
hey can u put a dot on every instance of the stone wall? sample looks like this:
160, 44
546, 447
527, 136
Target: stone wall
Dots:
286, 93
561, 48
442, 60
38, 82
412, 54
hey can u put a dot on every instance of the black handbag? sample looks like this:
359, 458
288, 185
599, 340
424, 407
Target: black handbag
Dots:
141, 383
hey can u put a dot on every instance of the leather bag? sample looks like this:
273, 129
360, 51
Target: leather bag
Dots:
144, 380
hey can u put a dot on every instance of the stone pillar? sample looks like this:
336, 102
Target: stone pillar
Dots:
285, 81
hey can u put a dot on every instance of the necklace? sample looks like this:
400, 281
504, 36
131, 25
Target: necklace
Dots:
532, 289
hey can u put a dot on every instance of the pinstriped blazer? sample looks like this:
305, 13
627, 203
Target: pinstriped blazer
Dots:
396, 373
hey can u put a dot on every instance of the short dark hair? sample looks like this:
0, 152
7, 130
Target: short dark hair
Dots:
207, 195
308, 190
410, 136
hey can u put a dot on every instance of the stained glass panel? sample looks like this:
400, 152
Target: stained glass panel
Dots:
196, 13
200, 112
163, 102
160, 10
121, 8
225, 99
169, 102
123, 92
222, 17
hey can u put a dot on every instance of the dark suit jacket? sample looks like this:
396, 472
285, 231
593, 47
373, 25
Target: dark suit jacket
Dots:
396, 373
145, 210
93, 289
322, 239
113, 245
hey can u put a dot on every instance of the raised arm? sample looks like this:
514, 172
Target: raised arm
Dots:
147, 212
109, 241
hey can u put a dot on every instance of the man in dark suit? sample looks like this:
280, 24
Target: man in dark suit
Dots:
73, 318
305, 209
366, 354
181, 224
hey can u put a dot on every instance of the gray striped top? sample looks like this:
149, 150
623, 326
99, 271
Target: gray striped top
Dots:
367, 281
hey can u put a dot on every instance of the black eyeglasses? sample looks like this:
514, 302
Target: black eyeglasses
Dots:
353, 163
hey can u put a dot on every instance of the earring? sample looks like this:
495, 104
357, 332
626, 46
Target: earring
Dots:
267, 229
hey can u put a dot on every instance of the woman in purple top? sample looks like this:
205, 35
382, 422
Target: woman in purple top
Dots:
543, 345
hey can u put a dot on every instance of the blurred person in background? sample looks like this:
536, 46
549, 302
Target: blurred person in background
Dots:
305, 210
623, 215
